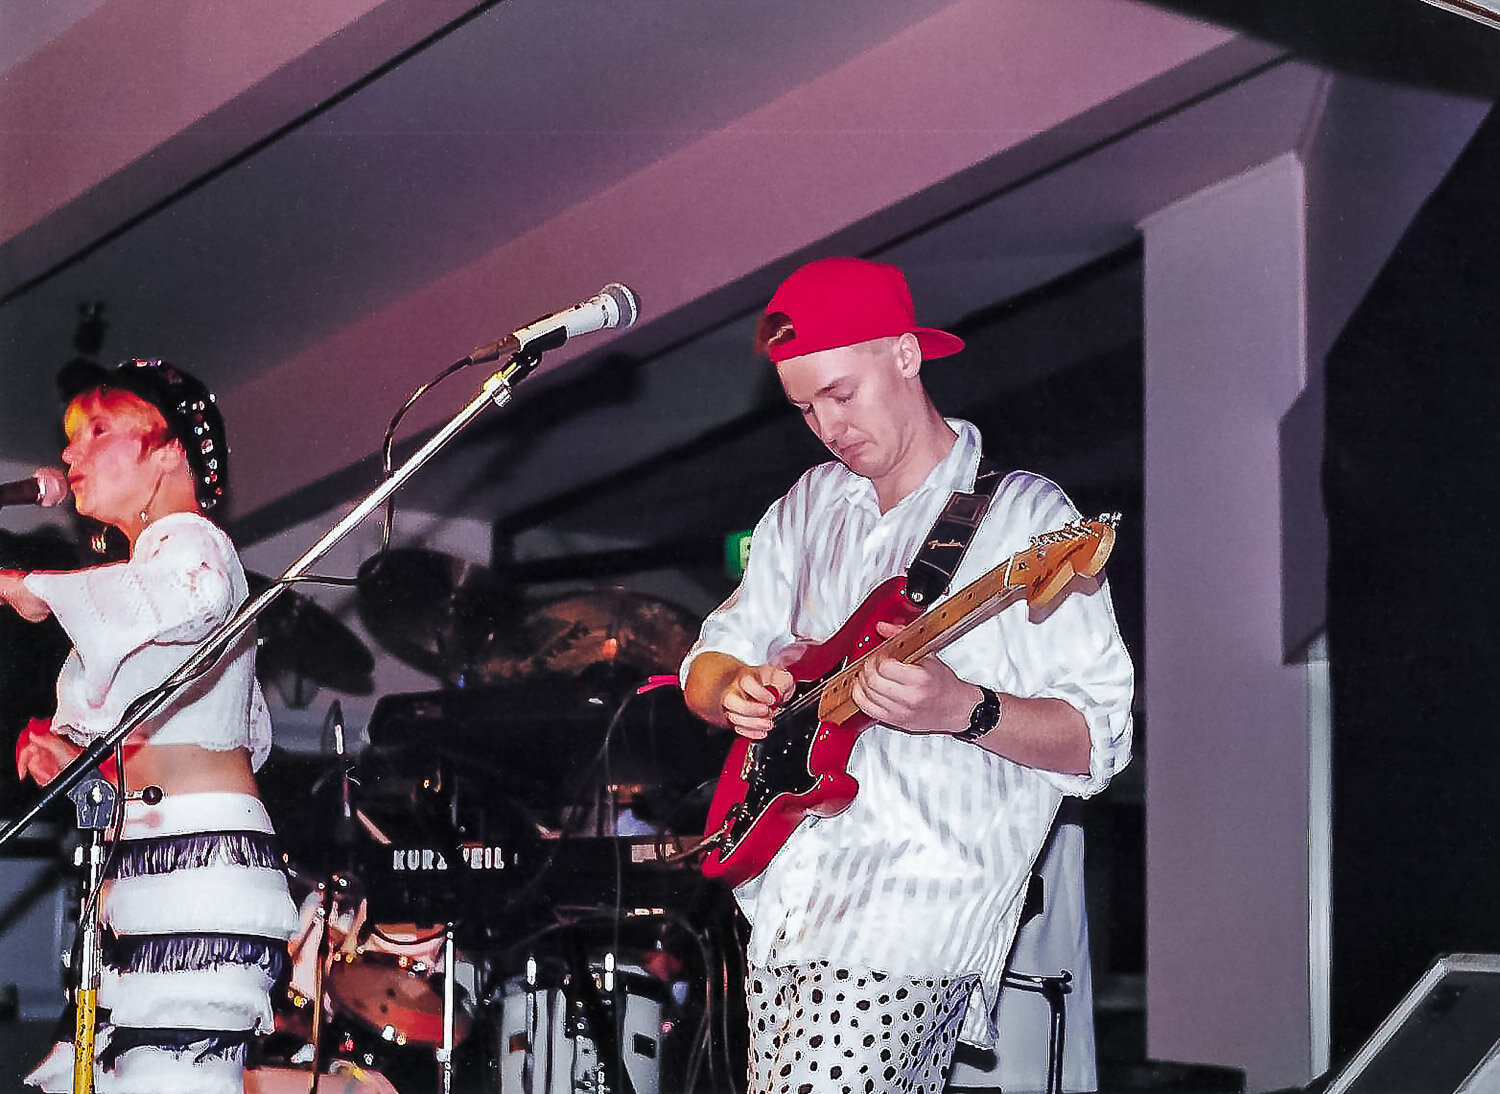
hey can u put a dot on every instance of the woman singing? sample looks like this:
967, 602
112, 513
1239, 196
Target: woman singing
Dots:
196, 896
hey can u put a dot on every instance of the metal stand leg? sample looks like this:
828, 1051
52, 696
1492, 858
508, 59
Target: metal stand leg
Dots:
445, 1053
1053, 989
94, 798
533, 1025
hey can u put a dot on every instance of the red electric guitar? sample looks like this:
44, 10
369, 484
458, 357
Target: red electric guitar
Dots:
768, 786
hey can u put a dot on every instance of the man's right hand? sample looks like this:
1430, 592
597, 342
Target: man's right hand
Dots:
750, 701
727, 692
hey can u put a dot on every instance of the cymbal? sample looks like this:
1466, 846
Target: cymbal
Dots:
299, 636
610, 631
434, 611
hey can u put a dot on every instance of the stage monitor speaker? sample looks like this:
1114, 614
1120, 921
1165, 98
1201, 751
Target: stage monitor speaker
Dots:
36, 926
1443, 1037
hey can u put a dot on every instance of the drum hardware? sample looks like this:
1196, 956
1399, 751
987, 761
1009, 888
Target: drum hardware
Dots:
581, 1025
445, 1054
540, 747
501, 812
301, 646
528, 1065
342, 890
400, 997
401, 985
328, 901
343, 1077
589, 995
605, 1012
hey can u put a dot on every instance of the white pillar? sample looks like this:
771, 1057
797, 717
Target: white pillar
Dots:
1228, 952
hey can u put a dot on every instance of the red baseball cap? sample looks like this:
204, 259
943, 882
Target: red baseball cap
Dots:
837, 302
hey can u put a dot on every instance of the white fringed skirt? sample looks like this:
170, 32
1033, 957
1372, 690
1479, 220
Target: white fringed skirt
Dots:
196, 919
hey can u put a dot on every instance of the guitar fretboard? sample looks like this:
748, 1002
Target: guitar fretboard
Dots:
1035, 573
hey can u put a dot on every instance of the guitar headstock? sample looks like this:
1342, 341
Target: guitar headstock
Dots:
1046, 567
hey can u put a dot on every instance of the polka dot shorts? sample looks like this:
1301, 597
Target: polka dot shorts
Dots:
815, 1029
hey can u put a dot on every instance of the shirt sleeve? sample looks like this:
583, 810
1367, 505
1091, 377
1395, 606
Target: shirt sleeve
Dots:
1071, 650
754, 623
173, 591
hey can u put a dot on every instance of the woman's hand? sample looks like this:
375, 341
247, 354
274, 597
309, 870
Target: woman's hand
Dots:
42, 754
14, 592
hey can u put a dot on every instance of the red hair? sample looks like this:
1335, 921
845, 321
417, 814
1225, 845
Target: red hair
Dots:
123, 405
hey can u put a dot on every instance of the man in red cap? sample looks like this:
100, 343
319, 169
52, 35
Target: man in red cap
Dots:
879, 935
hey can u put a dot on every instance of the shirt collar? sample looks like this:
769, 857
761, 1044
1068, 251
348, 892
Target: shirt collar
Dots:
955, 471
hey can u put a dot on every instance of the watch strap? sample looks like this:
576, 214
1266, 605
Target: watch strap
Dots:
984, 717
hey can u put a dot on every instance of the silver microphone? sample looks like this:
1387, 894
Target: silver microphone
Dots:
49, 486
614, 306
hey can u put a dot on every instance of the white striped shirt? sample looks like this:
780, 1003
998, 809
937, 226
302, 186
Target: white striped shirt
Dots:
924, 874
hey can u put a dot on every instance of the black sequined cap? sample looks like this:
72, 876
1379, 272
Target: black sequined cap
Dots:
187, 406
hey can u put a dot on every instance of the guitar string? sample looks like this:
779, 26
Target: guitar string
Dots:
815, 694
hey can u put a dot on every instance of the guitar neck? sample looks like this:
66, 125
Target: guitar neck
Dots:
1038, 573
953, 618
930, 632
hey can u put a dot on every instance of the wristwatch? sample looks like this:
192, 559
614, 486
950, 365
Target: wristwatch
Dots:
984, 717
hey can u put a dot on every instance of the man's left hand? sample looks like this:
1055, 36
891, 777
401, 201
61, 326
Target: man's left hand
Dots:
923, 697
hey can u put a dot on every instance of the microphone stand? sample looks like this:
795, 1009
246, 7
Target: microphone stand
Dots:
496, 389
95, 802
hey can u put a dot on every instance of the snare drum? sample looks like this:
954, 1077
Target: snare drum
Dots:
387, 978
392, 984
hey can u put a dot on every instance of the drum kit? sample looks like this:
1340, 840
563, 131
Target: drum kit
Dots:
498, 893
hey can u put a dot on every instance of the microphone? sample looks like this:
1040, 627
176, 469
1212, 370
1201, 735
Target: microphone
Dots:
614, 306
48, 486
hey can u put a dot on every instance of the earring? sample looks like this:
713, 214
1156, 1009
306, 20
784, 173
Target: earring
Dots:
155, 490
99, 542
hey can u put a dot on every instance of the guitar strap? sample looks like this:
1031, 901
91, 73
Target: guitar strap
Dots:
931, 572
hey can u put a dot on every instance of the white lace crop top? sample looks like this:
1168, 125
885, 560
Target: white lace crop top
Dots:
134, 623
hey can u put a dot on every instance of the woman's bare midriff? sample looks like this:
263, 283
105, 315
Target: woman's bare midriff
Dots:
189, 769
